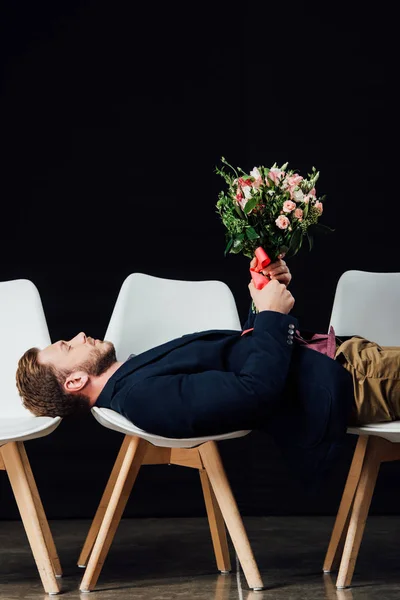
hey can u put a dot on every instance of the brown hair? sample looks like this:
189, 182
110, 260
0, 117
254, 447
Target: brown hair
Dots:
41, 389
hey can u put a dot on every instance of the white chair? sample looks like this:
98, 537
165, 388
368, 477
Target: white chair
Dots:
22, 326
150, 311
365, 304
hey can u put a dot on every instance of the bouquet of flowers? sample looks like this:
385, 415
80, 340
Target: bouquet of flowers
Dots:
268, 212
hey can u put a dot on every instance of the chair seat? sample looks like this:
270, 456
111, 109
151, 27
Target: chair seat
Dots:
113, 420
19, 429
390, 431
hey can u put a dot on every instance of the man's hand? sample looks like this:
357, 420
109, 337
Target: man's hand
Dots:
273, 296
277, 270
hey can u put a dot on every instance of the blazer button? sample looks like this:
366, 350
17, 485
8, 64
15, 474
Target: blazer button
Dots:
291, 325
289, 341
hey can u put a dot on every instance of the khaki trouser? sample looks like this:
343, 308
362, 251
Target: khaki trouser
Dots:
376, 379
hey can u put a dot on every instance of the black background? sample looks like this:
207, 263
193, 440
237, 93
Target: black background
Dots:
114, 116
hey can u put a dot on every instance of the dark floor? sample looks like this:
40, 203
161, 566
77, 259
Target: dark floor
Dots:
165, 559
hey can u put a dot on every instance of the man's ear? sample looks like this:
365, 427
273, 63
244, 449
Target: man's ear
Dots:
76, 381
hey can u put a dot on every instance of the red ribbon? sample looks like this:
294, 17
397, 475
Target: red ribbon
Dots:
263, 260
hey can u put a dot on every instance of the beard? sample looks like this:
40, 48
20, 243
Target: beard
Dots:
100, 361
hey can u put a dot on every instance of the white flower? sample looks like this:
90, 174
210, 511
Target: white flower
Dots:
255, 173
247, 192
298, 196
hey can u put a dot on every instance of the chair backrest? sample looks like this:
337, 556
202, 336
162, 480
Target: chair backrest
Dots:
22, 326
368, 304
151, 310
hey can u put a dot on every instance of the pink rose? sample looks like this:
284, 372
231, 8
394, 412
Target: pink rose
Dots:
319, 207
298, 213
282, 222
293, 180
288, 206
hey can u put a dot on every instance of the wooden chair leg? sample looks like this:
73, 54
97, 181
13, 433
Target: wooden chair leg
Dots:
217, 525
20, 484
51, 547
336, 544
213, 464
120, 494
359, 514
101, 510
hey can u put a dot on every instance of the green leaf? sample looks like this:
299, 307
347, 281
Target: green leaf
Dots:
251, 233
321, 228
250, 204
298, 246
239, 210
237, 247
228, 247
310, 241
295, 241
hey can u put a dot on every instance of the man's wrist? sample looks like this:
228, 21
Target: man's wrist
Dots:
270, 308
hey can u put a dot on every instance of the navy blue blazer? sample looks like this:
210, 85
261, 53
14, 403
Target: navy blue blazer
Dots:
217, 381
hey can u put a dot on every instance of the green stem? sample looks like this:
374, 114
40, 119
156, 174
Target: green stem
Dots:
233, 168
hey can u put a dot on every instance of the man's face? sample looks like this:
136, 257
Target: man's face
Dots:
81, 353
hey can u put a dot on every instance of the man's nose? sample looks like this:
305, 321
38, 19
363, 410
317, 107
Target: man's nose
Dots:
79, 339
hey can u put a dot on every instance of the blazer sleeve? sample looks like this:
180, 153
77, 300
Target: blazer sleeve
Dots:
251, 316
212, 402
